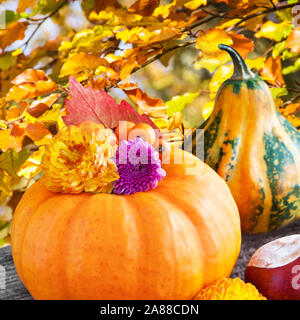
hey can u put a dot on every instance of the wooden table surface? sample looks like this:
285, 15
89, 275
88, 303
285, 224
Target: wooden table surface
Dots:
14, 289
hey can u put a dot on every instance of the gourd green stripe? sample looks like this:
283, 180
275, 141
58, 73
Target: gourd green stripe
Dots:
254, 149
277, 158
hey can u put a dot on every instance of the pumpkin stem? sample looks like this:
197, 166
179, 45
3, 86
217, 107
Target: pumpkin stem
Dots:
241, 70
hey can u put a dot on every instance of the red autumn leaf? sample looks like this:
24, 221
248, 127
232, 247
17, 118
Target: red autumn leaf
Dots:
87, 104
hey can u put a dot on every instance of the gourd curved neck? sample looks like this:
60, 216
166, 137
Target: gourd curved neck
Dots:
241, 70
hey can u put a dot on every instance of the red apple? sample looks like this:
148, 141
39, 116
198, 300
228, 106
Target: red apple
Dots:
274, 269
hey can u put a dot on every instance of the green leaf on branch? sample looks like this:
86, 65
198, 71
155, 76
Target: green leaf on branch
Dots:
275, 31
178, 103
11, 16
292, 68
279, 92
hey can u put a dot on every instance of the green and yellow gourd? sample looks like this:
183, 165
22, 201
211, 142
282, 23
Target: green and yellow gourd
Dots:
255, 149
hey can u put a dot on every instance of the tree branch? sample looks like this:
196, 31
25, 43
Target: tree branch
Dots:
25, 45
273, 4
243, 19
254, 15
221, 15
199, 23
295, 99
158, 56
213, 16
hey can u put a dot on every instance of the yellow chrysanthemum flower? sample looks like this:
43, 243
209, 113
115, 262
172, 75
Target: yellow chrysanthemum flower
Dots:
230, 289
79, 159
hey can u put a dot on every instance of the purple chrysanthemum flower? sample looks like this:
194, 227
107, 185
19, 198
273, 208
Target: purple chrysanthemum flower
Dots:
139, 167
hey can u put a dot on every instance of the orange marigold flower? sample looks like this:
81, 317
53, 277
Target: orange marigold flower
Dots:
79, 159
230, 289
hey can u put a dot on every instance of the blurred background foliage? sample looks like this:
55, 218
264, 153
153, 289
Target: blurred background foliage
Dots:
161, 56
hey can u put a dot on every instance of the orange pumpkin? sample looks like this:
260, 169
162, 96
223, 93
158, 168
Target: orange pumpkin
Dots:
166, 243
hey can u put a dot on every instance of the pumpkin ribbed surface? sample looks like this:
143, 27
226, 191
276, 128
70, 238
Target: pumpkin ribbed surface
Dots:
167, 243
